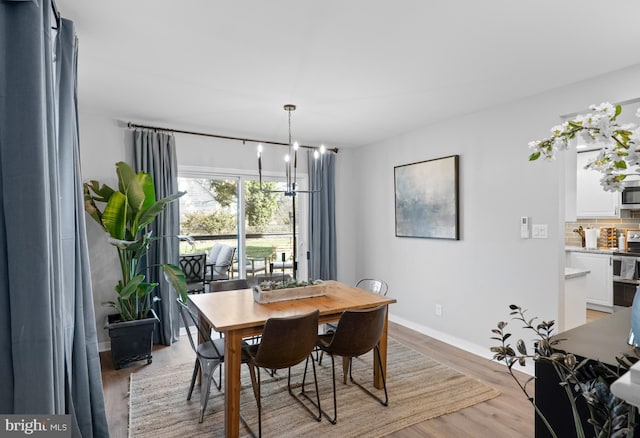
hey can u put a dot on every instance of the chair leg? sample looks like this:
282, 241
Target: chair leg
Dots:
333, 420
320, 410
255, 384
218, 382
303, 393
208, 369
384, 402
196, 368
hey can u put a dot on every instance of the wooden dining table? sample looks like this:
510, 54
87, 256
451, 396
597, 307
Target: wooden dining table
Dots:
236, 315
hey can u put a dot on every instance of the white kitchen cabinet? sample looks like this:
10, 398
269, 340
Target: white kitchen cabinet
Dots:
591, 200
599, 285
575, 299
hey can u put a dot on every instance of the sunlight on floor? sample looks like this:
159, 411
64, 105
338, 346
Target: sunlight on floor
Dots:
592, 315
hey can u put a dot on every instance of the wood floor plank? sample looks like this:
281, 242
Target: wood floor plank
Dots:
508, 415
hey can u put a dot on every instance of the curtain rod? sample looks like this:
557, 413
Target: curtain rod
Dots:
226, 137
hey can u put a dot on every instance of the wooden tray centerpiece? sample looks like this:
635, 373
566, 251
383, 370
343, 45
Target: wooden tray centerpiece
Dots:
273, 291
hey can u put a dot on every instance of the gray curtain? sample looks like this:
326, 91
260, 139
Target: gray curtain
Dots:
155, 153
322, 217
49, 362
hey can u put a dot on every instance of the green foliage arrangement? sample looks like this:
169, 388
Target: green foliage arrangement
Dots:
609, 415
276, 285
127, 212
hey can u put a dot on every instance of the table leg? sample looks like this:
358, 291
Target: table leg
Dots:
346, 362
382, 345
232, 360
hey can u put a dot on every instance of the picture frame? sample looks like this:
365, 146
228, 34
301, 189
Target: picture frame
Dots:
427, 199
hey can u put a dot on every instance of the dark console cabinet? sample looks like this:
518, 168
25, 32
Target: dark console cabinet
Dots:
603, 340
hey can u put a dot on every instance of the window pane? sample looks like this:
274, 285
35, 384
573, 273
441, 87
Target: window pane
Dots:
269, 226
208, 213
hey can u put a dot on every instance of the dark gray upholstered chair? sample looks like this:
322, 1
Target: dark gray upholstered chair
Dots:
220, 260
285, 342
357, 332
194, 268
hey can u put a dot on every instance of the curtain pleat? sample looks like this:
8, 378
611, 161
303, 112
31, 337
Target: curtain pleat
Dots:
155, 153
49, 362
322, 218
82, 360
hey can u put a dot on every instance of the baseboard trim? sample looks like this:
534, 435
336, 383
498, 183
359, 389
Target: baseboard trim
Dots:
104, 346
478, 350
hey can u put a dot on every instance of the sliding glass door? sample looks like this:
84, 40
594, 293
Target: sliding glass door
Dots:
232, 209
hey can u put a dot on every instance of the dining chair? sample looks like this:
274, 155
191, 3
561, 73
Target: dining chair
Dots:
194, 268
379, 287
226, 285
285, 342
209, 355
357, 332
373, 285
222, 286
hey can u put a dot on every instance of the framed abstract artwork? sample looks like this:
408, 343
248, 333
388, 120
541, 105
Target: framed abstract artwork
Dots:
426, 199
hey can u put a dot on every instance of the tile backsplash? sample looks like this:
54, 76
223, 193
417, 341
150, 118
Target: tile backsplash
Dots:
571, 238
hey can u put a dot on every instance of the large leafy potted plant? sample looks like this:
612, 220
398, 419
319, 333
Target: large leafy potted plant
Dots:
126, 213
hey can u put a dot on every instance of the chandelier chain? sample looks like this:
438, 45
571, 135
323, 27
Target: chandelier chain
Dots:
289, 127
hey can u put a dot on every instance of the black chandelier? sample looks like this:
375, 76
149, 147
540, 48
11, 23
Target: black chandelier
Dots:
291, 163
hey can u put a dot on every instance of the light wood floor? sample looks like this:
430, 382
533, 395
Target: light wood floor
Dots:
592, 315
508, 415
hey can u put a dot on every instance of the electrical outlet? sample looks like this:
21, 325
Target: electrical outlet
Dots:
438, 309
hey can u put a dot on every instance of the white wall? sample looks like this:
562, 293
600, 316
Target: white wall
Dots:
103, 142
476, 278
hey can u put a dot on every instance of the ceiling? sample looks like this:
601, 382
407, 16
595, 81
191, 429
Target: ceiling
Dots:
359, 71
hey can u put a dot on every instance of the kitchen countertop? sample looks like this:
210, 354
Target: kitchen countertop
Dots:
574, 272
611, 251
593, 251
602, 339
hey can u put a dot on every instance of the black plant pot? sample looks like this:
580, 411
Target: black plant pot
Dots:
131, 340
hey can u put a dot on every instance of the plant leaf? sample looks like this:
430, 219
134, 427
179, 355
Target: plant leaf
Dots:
131, 287
175, 276
150, 213
114, 217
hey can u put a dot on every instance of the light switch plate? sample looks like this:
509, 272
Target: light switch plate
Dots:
539, 231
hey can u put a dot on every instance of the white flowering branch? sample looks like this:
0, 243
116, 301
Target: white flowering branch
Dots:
620, 153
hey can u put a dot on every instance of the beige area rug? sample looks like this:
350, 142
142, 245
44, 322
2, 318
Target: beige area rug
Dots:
419, 389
